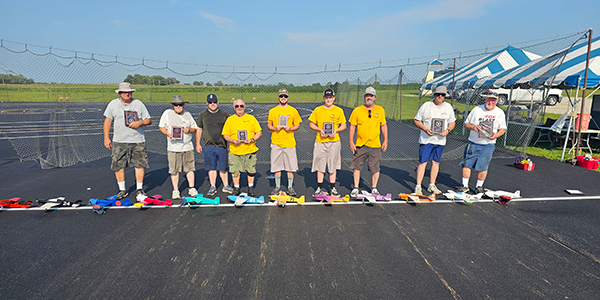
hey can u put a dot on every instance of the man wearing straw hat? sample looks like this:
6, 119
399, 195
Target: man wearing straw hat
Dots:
179, 127
435, 119
128, 145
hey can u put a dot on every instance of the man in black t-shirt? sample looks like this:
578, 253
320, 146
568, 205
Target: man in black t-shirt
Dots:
210, 124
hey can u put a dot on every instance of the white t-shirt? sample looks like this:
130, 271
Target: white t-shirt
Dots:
479, 114
115, 110
429, 111
170, 118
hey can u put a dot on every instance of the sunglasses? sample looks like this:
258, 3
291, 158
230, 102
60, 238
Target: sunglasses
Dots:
283, 96
239, 106
212, 102
369, 114
438, 95
177, 104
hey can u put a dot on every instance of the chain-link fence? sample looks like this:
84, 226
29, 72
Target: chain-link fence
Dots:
57, 119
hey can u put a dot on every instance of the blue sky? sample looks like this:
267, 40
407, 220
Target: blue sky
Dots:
288, 33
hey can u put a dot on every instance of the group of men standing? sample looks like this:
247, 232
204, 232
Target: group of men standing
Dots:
230, 141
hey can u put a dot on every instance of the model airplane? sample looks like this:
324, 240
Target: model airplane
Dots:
200, 199
58, 202
497, 194
243, 198
416, 197
364, 195
330, 199
283, 198
14, 202
110, 201
153, 200
462, 196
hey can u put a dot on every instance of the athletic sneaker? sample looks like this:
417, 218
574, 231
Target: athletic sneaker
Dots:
276, 191
192, 192
375, 191
236, 191
251, 192
433, 189
418, 190
175, 195
140, 192
227, 189
334, 192
319, 191
354, 193
462, 189
291, 192
212, 191
122, 194
479, 190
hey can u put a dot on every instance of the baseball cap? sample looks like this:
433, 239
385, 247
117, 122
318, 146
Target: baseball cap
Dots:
328, 92
283, 92
211, 98
370, 90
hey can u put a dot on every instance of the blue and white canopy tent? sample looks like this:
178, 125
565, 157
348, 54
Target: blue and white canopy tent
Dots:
504, 59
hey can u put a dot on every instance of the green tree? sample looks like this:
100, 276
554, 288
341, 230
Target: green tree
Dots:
198, 83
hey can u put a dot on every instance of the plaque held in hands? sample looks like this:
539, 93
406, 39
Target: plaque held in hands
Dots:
242, 135
329, 129
438, 125
283, 120
130, 117
177, 133
487, 129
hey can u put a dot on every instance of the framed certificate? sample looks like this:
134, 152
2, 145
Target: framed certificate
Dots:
177, 132
487, 128
130, 117
438, 125
329, 128
242, 135
283, 120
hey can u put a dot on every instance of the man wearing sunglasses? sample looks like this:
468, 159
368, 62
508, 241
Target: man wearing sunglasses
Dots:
368, 121
283, 120
210, 125
486, 122
328, 121
435, 119
128, 143
179, 125
242, 131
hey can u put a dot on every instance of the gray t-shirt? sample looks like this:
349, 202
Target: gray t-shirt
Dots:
116, 112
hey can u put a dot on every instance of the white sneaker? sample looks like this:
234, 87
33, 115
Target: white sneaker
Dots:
418, 190
375, 191
354, 193
175, 195
192, 192
433, 189
334, 192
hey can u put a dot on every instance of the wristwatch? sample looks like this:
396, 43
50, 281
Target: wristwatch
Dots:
253, 140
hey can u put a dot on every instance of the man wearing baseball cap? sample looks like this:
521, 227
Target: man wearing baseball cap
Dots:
328, 121
486, 122
128, 144
283, 120
210, 125
179, 125
368, 121
435, 119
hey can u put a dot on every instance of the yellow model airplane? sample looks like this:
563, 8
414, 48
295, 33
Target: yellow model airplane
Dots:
282, 198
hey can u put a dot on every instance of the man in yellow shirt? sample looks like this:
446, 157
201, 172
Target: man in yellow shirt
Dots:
368, 121
328, 120
241, 131
283, 121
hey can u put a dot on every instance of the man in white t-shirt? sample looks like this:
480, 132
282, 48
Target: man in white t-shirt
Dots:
486, 122
435, 119
179, 126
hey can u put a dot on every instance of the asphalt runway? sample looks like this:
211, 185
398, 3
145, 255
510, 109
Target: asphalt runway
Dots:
541, 247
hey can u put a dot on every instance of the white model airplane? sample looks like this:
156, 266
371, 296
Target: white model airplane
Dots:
497, 194
466, 197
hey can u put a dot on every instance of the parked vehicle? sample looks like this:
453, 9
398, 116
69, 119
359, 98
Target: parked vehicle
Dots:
526, 96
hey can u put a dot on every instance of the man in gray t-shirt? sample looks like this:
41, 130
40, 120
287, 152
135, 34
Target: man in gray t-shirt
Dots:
128, 144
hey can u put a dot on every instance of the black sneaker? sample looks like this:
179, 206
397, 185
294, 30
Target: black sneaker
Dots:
251, 192
122, 194
462, 189
236, 191
479, 190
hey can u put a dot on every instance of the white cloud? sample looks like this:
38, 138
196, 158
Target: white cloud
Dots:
225, 23
116, 22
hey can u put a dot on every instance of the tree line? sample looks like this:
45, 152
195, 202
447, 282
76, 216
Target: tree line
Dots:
15, 79
150, 80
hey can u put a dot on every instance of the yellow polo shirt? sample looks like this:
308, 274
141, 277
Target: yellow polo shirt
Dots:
323, 114
368, 129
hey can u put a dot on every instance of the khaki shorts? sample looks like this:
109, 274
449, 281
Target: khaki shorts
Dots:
283, 159
327, 156
128, 155
360, 156
177, 160
242, 163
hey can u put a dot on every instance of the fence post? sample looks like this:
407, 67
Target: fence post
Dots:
6, 87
